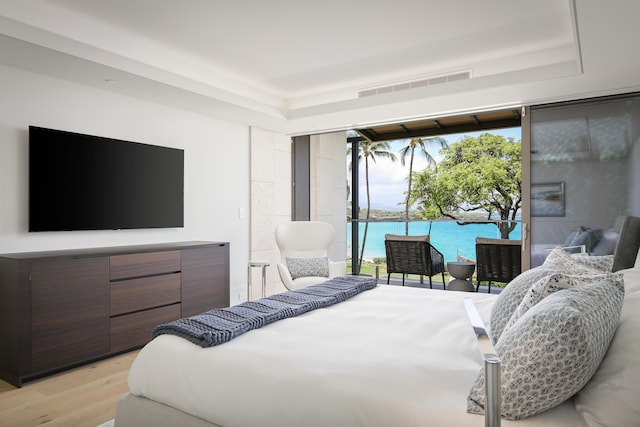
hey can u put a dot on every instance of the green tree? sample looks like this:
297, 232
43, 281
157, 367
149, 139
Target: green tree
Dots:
477, 174
409, 150
369, 150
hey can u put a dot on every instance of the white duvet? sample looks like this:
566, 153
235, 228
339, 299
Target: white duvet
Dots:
391, 356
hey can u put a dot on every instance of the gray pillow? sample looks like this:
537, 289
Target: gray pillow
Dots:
553, 350
558, 261
510, 298
607, 244
554, 283
308, 267
584, 236
578, 237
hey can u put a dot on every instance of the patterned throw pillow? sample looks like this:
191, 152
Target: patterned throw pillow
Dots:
553, 350
308, 267
509, 299
602, 263
562, 260
511, 296
555, 282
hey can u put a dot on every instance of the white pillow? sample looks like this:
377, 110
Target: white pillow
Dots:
611, 397
631, 280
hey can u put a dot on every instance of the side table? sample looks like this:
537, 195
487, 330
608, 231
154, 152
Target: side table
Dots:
263, 265
461, 271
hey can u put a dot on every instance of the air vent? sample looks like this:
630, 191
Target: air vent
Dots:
429, 81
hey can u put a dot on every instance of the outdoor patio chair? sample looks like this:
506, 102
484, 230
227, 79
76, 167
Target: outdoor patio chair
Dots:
497, 260
413, 255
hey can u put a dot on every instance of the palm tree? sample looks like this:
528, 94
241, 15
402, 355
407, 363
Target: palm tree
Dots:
369, 150
421, 144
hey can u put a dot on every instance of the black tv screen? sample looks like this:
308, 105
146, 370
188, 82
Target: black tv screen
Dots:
85, 182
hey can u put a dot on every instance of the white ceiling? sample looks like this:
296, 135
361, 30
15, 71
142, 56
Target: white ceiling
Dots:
296, 66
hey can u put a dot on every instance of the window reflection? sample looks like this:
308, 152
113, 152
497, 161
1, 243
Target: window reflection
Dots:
590, 150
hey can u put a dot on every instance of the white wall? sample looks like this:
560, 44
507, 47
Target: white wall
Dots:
271, 197
270, 204
328, 184
216, 164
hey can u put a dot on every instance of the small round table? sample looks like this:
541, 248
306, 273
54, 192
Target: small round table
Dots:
461, 271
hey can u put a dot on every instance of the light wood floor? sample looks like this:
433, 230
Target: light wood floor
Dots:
84, 396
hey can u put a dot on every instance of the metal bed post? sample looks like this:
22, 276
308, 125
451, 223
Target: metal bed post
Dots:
492, 397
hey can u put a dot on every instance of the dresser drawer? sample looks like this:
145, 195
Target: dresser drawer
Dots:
144, 264
131, 295
133, 330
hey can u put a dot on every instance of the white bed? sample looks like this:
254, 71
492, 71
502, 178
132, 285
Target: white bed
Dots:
391, 356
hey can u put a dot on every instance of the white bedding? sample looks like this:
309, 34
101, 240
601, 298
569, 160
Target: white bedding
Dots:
391, 356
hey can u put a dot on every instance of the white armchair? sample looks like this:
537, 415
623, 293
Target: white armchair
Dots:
304, 249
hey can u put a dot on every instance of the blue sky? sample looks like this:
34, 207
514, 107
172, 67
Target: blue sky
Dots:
387, 180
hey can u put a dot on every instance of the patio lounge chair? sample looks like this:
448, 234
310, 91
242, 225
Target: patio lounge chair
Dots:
497, 260
413, 255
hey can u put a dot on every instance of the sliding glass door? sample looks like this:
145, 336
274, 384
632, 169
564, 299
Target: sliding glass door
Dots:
584, 175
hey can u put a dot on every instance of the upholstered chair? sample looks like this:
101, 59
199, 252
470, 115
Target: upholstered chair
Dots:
304, 248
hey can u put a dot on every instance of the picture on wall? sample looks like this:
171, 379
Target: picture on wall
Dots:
547, 199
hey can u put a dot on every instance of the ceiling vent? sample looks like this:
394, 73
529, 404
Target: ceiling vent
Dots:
429, 81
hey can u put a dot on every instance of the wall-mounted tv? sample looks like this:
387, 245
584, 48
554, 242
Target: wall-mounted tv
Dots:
85, 182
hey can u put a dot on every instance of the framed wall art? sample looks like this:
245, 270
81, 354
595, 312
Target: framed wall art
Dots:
547, 199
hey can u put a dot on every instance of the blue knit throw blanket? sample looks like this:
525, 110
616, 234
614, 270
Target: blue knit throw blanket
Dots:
220, 325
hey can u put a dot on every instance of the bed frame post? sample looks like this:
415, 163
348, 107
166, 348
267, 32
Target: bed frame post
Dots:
492, 393
491, 390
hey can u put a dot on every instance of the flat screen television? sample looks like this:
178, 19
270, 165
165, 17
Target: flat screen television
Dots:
85, 182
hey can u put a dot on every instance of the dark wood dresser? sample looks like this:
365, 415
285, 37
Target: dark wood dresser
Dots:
60, 309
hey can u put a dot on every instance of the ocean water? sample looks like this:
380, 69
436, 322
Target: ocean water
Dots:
447, 236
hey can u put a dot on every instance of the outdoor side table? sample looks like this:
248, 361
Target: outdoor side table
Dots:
263, 265
461, 271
